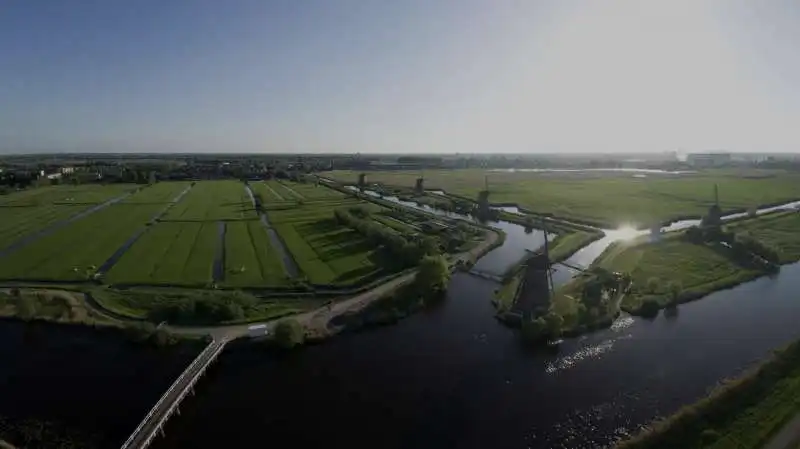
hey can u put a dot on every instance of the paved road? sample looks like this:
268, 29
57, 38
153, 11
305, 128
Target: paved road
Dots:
788, 437
143, 434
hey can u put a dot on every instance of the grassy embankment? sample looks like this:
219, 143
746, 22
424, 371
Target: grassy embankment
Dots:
740, 414
672, 270
606, 200
675, 270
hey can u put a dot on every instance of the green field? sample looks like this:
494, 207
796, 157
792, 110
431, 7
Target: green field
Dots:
163, 193
326, 252
214, 201
66, 194
17, 222
169, 253
77, 250
250, 259
274, 191
780, 231
270, 191
30, 211
605, 199
694, 269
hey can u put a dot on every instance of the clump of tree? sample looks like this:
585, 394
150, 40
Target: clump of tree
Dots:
542, 328
409, 251
204, 309
650, 307
754, 246
145, 332
289, 333
433, 276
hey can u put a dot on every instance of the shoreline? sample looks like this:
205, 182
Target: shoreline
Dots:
698, 423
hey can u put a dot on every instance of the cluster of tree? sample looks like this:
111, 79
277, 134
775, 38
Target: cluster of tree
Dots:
289, 333
747, 243
202, 310
433, 275
743, 247
408, 251
148, 332
544, 327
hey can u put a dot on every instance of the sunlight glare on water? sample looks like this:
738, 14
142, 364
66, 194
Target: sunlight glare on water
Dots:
626, 232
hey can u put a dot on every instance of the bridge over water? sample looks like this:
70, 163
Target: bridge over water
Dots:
168, 404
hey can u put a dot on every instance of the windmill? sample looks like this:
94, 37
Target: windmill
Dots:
419, 187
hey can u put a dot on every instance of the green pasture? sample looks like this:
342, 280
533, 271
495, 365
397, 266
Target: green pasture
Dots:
326, 252
17, 222
77, 250
654, 267
607, 199
780, 231
250, 258
169, 253
270, 191
161, 192
214, 201
66, 194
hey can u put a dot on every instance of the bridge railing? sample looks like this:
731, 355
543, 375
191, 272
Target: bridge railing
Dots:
182, 394
163, 397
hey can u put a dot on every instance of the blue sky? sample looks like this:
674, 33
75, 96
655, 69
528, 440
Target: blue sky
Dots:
399, 76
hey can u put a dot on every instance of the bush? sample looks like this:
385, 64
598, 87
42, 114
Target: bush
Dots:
653, 284
650, 307
533, 331
289, 333
26, 307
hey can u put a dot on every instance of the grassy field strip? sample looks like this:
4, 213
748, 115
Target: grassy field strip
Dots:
269, 185
780, 231
108, 264
395, 224
56, 226
67, 194
16, 222
250, 258
292, 191
316, 270
317, 192
74, 251
328, 253
170, 254
213, 201
162, 192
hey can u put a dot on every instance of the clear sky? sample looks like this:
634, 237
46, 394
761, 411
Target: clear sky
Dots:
399, 76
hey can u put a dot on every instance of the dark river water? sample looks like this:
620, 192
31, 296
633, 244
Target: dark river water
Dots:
78, 387
449, 377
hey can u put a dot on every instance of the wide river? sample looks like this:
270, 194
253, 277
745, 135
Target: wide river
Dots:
449, 377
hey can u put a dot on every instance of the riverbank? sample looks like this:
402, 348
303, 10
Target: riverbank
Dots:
606, 200
686, 266
742, 413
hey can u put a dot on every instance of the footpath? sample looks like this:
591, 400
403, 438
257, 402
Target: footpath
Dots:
788, 437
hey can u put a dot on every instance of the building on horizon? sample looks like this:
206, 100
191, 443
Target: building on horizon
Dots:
708, 159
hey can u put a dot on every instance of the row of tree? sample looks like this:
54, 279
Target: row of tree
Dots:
407, 250
201, 310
